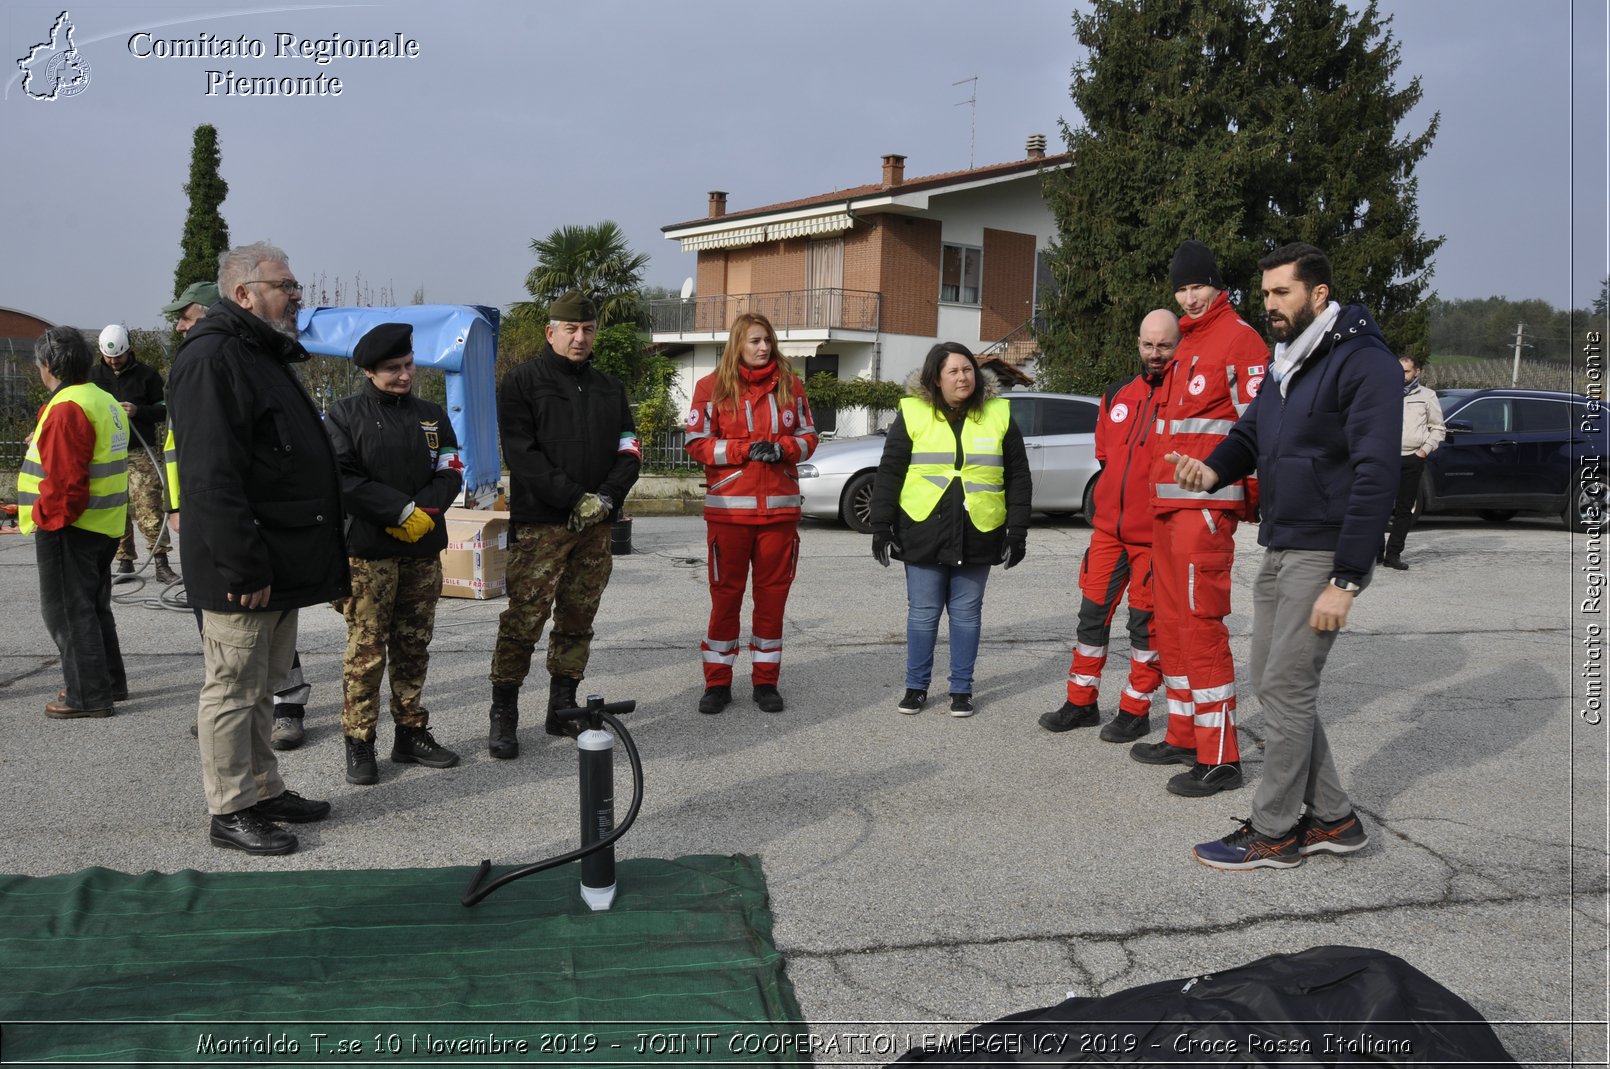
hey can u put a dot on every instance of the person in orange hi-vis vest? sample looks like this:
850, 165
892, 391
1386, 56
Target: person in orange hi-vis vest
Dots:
1217, 369
750, 427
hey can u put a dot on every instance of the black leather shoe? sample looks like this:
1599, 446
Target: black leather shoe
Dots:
292, 808
1395, 562
1203, 780
1161, 753
1126, 727
768, 699
1070, 716
247, 831
715, 699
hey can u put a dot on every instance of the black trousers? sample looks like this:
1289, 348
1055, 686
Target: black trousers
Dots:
75, 598
1403, 511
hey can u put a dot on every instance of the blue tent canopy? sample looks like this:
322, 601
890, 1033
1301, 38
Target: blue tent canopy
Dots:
461, 340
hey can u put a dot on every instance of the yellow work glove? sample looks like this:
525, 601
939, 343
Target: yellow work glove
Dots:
586, 512
416, 526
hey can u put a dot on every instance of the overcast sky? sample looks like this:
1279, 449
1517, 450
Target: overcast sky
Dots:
437, 171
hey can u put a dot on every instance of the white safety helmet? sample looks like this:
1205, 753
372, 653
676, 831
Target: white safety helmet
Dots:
114, 340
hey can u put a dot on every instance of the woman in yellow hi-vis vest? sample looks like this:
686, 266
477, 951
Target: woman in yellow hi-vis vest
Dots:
72, 496
951, 499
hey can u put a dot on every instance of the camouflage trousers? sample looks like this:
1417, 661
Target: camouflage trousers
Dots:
145, 507
552, 570
390, 617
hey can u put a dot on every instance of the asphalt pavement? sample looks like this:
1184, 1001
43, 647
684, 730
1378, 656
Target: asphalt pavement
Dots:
927, 872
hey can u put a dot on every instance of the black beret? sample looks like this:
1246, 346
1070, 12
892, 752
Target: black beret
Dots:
1194, 265
573, 307
382, 343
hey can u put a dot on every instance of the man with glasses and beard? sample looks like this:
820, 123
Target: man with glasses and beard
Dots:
1323, 436
262, 533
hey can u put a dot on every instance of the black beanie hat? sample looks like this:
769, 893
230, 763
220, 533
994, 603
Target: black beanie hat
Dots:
382, 343
1194, 265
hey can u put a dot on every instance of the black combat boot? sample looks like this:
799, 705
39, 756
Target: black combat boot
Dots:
502, 741
361, 762
562, 695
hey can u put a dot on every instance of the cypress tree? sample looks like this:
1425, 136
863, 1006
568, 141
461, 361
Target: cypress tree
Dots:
1205, 119
206, 235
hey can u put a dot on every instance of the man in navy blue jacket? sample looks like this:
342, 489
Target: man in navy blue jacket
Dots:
1323, 436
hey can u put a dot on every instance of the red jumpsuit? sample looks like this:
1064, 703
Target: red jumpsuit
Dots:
751, 512
1217, 370
1120, 553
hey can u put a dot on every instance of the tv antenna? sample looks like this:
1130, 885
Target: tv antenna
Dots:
971, 102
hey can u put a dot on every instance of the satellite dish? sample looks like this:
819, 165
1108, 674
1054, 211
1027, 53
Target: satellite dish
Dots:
687, 287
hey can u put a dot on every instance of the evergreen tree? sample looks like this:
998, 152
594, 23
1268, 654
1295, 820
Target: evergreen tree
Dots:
206, 235
1205, 119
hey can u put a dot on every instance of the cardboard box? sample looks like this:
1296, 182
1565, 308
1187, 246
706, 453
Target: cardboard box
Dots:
475, 563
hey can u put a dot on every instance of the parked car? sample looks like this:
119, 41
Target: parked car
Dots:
1058, 431
1511, 451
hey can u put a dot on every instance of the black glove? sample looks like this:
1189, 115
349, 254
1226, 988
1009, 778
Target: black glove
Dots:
884, 547
1017, 544
770, 452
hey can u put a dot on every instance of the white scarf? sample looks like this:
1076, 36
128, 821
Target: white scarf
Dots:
1288, 358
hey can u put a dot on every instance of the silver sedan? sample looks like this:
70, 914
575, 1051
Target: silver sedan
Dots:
1058, 430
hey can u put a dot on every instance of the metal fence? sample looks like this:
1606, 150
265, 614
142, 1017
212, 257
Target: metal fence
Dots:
663, 453
787, 310
21, 394
1445, 373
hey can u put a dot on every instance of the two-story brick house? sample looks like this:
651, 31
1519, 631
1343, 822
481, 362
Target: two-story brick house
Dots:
861, 282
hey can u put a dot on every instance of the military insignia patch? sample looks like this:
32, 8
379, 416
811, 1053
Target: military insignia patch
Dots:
432, 435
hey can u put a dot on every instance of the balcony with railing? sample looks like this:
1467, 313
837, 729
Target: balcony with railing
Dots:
817, 309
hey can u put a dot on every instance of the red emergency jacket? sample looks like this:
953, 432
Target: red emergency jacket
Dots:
1218, 367
740, 490
1125, 431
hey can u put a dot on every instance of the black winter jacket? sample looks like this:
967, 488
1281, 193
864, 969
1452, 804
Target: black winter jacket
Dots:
948, 536
1326, 453
257, 474
567, 431
387, 447
141, 386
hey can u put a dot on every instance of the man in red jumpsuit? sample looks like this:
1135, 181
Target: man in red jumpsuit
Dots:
1217, 370
1120, 551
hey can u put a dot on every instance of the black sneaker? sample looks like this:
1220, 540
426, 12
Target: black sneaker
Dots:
246, 830
1343, 836
1161, 753
416, 746
1071, 716
1247, 848
714, 700
913, 701
1126, 727
1203, 780
961, 705
361, 762
291, 808
768, 699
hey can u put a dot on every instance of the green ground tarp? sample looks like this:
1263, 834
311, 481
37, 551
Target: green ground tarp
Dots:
387, 967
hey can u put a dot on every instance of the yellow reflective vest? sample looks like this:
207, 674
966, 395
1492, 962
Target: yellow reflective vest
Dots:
933, 461
170, 464
107, 510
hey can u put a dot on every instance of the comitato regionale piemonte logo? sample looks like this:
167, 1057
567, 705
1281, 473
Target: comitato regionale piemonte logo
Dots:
53, 69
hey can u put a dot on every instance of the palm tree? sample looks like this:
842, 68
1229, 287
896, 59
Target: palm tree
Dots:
593, 259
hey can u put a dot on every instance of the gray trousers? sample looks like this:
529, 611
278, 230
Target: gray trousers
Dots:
1287, 657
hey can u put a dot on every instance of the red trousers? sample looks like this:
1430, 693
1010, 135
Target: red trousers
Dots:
1109, 567
1192, 551
771, 551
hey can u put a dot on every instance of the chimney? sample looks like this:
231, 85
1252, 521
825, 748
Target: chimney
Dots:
718, 203
1036, 146
894, 170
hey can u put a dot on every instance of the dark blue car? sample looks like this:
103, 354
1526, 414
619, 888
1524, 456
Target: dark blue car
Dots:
1511, 451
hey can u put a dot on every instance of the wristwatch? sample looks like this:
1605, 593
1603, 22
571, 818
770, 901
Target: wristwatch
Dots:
1343, 584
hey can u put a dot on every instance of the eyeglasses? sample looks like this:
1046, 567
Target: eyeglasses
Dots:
1149, 347
289, 285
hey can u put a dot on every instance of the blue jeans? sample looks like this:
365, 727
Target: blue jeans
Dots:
930, 590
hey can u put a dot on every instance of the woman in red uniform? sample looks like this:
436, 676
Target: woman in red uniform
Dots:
749, 427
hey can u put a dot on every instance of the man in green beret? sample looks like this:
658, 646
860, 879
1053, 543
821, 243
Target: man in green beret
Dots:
572, 453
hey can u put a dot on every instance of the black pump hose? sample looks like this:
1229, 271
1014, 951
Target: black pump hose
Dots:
475, 891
